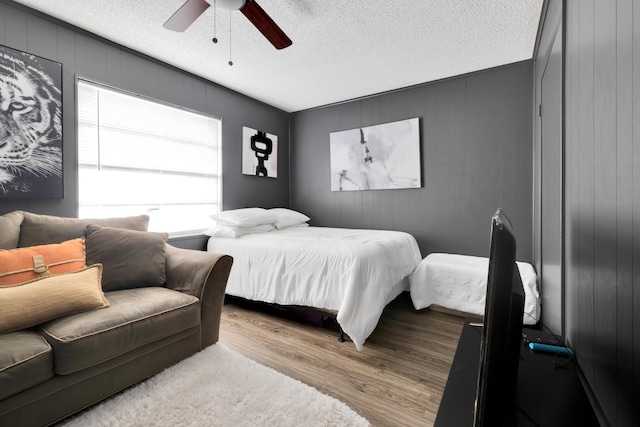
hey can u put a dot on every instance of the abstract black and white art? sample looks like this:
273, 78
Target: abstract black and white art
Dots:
376, 157
259, 153
30, 125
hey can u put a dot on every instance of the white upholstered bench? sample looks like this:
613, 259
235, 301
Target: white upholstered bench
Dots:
459, 282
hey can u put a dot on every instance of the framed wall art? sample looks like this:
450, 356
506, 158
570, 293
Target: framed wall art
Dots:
259, 153
30, 125
384, 156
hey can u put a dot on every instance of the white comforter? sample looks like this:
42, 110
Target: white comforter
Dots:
356, 272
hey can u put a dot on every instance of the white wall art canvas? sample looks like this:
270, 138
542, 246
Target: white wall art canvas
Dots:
30, 125
259, 153
376, 157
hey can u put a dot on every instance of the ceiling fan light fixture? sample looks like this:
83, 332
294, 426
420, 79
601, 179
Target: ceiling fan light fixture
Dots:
192, 9
228, 4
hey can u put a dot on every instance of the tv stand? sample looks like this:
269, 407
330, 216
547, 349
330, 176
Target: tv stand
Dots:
546, 395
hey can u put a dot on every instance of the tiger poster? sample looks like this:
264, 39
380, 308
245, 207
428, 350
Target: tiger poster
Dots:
30, 125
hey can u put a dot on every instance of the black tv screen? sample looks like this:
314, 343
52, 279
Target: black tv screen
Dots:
501, 330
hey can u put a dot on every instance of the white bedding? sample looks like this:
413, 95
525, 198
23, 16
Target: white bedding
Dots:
356, 272
459, 282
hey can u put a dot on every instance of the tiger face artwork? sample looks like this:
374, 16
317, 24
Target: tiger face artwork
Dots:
30, 126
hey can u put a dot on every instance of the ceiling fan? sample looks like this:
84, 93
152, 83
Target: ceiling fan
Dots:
192, 9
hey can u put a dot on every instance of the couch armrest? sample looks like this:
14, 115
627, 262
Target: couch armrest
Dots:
203, 275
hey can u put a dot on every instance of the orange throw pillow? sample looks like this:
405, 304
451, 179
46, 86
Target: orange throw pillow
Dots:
23, 264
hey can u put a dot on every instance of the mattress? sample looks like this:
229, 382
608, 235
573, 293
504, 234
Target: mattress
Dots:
459, 282
352, 271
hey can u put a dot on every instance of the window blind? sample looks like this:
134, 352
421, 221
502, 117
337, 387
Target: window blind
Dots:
137, 155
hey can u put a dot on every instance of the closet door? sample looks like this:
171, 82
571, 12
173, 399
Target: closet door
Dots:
552, 189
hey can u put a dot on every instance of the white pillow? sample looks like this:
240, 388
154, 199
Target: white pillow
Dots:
218, 230
288, 217
247, 217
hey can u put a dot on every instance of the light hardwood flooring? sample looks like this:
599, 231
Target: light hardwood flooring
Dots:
398, 378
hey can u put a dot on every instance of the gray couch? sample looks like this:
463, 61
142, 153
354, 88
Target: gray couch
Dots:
54, 369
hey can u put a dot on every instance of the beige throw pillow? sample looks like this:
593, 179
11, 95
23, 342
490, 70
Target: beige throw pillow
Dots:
30, 303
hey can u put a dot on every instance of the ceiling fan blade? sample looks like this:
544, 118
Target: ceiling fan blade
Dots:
265, 25
186, 15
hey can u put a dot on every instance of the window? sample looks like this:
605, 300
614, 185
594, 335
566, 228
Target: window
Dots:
138, 156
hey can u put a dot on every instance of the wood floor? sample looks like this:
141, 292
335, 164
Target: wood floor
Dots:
397, 380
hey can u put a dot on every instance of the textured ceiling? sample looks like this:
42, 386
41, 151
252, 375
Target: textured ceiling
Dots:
341, 49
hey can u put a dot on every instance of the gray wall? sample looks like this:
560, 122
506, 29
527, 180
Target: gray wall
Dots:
85, 55
602, 200
477, 155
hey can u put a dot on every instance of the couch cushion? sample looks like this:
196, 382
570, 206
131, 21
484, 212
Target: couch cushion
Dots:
26, 360
31, 303
134, 318
10, 229
23, 264
131, 259
44, 229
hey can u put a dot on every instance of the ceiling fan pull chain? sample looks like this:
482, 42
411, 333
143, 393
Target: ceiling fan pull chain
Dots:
230, 61
215, 16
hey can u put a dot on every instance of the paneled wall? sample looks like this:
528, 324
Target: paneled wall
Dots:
476, 155
602, 200
88, 56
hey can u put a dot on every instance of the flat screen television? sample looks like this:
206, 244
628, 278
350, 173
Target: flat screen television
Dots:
501, 330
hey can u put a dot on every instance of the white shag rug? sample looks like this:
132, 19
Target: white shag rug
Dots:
219, 387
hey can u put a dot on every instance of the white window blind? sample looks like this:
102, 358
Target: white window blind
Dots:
138, 156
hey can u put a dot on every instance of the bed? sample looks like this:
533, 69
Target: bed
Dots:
353, 272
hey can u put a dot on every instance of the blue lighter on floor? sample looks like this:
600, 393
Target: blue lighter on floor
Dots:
550, 348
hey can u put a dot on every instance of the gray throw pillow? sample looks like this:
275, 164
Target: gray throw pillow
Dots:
46, 229
130, 259
10, 229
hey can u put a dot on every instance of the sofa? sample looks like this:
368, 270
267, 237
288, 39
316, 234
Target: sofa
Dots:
110, 305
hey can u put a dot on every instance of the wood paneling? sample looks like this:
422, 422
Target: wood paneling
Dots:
476, 154
602, 118
605, 195
397, 380
85, 55
634, 329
